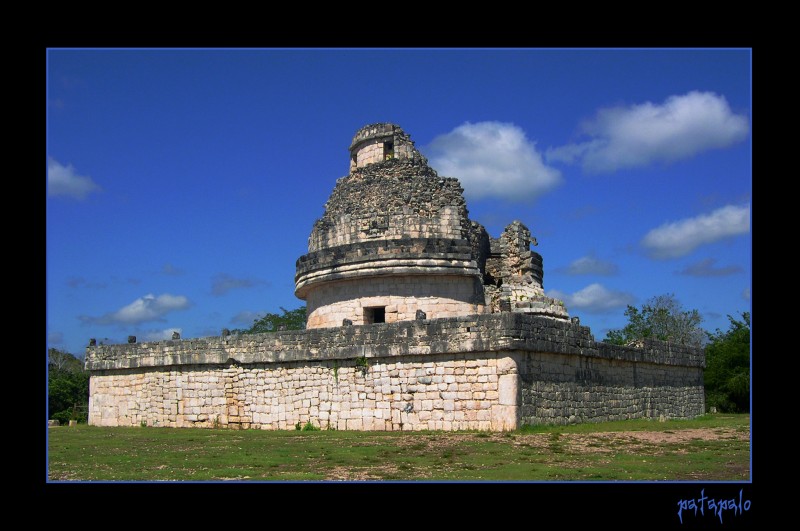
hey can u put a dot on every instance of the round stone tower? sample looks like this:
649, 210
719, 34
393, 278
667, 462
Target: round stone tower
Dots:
393, 243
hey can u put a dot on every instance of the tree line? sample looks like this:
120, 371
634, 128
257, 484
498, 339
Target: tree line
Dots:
727, 373
67, 387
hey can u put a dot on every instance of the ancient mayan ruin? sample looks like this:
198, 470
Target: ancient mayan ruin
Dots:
417, 319
395, 239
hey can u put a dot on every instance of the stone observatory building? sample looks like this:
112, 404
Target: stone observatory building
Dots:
395, 242
417, 319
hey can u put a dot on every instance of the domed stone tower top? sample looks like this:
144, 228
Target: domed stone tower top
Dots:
391, 193
396, 243
394, 239
381, 142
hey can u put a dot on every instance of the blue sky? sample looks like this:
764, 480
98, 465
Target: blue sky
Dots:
182, 185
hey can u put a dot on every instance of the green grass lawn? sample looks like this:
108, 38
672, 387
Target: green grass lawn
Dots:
713, 447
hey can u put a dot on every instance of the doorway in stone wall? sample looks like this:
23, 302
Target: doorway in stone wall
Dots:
376, 314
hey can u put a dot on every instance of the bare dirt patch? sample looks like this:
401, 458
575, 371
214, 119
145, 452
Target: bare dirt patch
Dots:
655, 442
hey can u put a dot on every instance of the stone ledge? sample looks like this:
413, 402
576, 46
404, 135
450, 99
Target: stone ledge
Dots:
388, 268
489, 332
367, 251
376, 130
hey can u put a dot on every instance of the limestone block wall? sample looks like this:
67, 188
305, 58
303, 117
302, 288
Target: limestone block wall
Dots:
485, 372
372, 153
369, 154
401, 296
528, 298
406, 393
557, 389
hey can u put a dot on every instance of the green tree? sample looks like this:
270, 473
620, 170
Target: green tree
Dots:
727, 374
273, 322
67, 386
662, 317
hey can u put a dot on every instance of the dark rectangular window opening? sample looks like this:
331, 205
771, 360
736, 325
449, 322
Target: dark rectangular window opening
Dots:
388, 150
375, 315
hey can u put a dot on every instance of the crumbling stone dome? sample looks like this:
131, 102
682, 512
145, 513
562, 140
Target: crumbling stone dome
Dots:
396, 243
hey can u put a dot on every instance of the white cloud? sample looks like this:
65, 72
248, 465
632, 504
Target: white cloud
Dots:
746, 294
171, 270
160, 335
246, 317
492, 159
222, 283
679, 238
706, 268
639, 135
63, 180
55, 338
76, 282
147, 308
589, 265
594, 298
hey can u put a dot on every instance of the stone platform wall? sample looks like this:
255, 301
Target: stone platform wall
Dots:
406, 393
558, 389
486, 372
